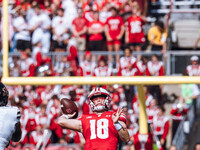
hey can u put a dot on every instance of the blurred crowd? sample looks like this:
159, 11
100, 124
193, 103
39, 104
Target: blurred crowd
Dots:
84, 26
40, 105
73, 26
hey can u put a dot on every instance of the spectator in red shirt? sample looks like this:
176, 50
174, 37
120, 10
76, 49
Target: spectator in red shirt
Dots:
194, 68
155, 67
134, 36
102, 70
88, 64
95, 31
79, 30
161, 126
27, 65
141, 66
127, 65
114, 30
178, 111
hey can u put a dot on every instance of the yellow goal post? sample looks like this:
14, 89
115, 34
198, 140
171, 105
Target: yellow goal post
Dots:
139, 81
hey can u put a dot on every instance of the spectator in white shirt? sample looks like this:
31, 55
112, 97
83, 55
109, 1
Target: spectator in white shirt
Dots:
70, 11
22, 34
60, 30
40, 25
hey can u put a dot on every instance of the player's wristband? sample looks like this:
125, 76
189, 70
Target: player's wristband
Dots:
67, 117
118, 126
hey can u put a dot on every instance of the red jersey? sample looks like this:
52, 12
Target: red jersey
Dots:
125, 62
151, 113
99, 131
178, 113
155, 68
129, 72
147, 146
95, 25
193, 70
141, 68
27, 67
114, 26
161, 126
79, 24
88, 67
135, 30
103, 71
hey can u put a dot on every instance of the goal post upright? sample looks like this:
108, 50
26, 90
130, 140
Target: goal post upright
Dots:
5, 38
143, 126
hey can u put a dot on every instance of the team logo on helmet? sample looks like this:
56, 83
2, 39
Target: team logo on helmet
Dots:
4, 92
3, 95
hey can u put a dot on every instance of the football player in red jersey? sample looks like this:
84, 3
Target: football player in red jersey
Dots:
102, 128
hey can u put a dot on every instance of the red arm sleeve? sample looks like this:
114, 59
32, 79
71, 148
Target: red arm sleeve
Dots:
166, 130
120, 71
72, 53
173, 111
39, 59
31, 70
147, 72
122, 118
32, 141
161, 71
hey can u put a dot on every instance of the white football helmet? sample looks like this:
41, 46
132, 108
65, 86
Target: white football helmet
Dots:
99, 92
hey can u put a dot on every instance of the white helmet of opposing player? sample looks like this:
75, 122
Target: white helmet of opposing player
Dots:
99, 92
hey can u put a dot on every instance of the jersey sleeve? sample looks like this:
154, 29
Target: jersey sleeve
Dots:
81, 117
122, 118
18, 115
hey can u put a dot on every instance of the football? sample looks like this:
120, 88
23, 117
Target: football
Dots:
68, 107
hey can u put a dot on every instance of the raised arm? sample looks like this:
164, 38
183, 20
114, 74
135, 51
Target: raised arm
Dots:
121, 126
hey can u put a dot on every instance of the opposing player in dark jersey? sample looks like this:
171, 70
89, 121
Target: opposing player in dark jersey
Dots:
10, 128
102, 128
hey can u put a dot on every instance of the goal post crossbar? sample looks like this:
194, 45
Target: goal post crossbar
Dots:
136, 80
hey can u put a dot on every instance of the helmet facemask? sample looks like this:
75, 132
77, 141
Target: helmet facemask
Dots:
99, 108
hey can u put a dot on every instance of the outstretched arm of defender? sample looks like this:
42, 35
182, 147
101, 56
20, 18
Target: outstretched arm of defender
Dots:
67, 123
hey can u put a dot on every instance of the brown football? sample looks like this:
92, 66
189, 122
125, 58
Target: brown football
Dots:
68, 107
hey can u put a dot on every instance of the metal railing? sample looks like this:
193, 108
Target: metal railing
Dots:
171, 59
